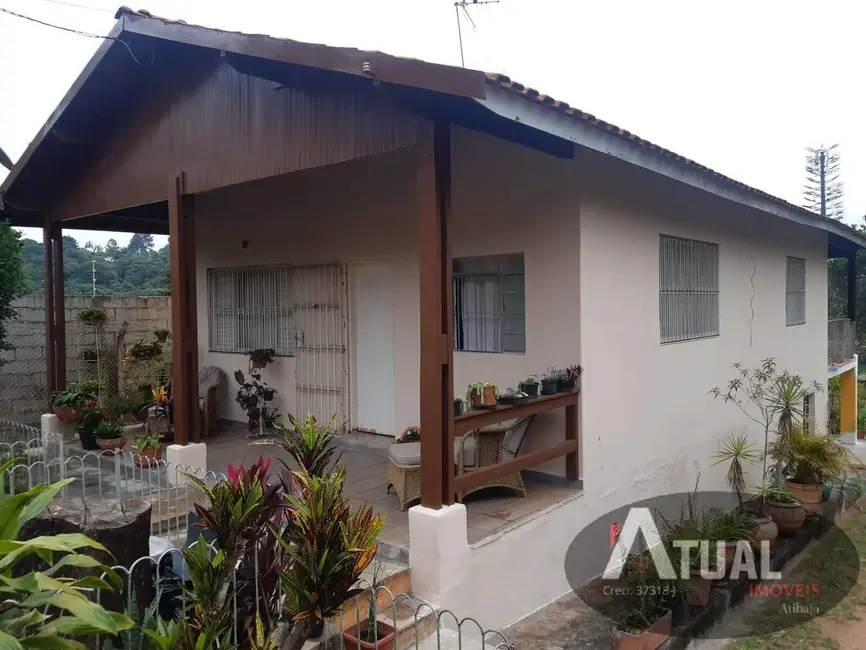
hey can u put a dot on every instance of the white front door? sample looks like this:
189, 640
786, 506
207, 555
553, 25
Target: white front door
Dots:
320, 342
373, 301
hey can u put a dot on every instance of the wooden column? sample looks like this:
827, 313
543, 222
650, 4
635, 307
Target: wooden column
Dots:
55, 313
437, 335
184, 381
852, 285
572, 459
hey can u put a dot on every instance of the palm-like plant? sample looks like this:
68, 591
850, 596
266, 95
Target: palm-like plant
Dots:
308, 444
24, 618
330, 546
809, 457
738, 451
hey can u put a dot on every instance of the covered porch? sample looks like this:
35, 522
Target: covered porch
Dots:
291, 118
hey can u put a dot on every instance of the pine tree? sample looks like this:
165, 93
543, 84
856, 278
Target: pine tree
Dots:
822, 192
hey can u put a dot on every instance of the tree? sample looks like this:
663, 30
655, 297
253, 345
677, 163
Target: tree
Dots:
822, 191
140, 243
12, 280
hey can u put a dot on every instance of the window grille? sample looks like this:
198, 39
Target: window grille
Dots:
795, 291
688, 289
250, 308
489, 304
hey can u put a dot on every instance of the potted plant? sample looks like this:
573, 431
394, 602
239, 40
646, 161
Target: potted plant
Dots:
512, 396
529, 386
482, 394
568, 378
758, 504
109, 434
90, 355
67, 404
786, 510
647, 624
365, 635
148, 451
808, 459
728, 529
550, 381
90, 418
161, 334
142, 350
255, 397
261, 358
93, 316
460, 406
410, 434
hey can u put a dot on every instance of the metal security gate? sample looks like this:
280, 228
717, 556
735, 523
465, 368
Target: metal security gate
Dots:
320, 342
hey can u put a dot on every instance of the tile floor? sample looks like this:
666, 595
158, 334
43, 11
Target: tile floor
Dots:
366, 460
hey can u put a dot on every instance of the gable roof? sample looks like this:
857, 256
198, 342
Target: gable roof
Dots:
492, 102
5, 160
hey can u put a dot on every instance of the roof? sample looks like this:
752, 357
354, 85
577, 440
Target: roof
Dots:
492, 102
5, 160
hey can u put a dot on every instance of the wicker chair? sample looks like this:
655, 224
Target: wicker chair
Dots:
209, 380
474, 450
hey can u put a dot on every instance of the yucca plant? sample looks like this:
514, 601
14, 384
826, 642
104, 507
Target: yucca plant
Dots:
24, 618
330, 546
738, 451
308, 444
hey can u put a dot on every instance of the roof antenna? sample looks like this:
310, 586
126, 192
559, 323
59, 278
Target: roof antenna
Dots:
462, 4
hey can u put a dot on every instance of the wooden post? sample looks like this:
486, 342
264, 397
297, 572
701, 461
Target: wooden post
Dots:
184, 381
572, 459
437, 336
852, 285
50, 371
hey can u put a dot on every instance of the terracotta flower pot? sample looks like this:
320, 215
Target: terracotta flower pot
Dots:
385, 642
649, 639
767, 530
861, 434
66, 413
485, 399
810, 495
789, 517
147, 457
698, 590
113, 443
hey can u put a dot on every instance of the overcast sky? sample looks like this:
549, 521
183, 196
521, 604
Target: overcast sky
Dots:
741, 86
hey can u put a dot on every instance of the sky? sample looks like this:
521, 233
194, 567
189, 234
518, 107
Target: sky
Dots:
742, 86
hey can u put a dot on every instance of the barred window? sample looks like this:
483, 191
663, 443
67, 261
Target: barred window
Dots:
795, 291
489, 304
250, 308
688, 289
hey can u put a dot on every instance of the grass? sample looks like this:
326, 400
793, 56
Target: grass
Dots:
833, 567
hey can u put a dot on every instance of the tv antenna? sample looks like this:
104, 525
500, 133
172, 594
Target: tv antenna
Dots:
463, 4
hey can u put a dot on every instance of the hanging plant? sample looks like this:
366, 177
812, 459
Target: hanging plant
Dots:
93, 316
161, 335
144, 350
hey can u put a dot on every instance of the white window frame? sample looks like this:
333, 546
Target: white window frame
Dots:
250, 308
489, 303
688, 289
795, 291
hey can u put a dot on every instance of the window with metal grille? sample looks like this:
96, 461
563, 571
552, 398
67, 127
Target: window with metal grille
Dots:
795, 291
688, 289
489, 304
250, 308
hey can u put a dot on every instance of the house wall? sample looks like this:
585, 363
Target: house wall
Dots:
506, 199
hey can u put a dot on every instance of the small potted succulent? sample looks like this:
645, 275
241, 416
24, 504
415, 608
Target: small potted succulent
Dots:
93, 316
568, 378
550, 381
529, 386
68, 403
511, 396
261, 358
148, 451
142, 350
161, 334
461, 405
109, 434
410, 434
482, 394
